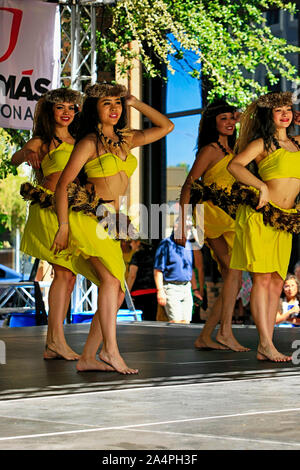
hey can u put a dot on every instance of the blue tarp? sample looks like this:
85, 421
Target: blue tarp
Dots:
9, 275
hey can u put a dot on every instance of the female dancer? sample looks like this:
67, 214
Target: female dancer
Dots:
214, 151
267, 219
103, 152
48, 152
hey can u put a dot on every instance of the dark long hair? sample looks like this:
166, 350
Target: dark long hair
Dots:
265, 128
208, 132
257, 122
88, 124
44, 127
44, 122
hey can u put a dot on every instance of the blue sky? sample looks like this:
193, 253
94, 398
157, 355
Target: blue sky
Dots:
183, 93
181, 142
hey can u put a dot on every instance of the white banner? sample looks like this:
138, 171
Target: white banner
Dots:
29, 58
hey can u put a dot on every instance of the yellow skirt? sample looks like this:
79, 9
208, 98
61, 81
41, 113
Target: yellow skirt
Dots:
217, 223
86, 238
38, 236
260, 248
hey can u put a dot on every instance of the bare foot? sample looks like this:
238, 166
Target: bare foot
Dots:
53, 351
117, 362
207, 344
89, 364
231, 342
270, 353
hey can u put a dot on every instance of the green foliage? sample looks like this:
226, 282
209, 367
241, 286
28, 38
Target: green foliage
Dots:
12, 206
185, 166
18, 137
6, 150
230, 38
3, 224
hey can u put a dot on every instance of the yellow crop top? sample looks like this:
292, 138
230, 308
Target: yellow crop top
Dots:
219, 174
56, 159
109, 164
280, 164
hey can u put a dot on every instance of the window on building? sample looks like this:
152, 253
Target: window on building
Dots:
276, 87
183, 106
272, 17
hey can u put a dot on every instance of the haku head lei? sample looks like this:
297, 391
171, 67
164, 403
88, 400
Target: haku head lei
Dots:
275, 100
101, 90
63, 95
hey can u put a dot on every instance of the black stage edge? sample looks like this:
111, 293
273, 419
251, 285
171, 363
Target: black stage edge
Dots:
163, 353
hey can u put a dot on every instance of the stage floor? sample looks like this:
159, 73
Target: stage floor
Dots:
181, 399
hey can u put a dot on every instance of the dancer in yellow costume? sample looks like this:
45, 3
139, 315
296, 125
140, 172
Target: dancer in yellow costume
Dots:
102, 155
264, 225
214, 151
48, 152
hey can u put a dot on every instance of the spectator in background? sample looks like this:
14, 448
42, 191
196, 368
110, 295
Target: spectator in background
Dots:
243, 299
128, 247
140, 279
175, 278
297, 270
200, 302
289, 311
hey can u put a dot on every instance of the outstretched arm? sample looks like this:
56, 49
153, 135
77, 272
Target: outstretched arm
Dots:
199, 265
297, 118
203, 159
297, 122
30, 153
161, 124
131, 277
80, 155
237, 167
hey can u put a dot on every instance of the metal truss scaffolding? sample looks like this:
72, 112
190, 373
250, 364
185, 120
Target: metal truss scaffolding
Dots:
78, 51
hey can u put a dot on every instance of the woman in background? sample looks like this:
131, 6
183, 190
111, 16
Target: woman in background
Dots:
214, 151
268, 217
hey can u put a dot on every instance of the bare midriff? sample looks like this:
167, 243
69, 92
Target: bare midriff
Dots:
111, 188
283, 191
